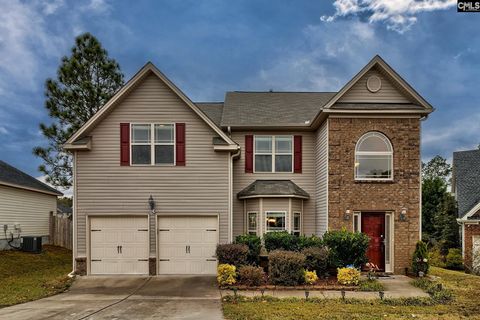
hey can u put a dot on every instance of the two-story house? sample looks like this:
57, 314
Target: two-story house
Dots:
466, 188
160, 180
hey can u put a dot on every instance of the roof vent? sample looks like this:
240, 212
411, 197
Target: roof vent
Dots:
374, 84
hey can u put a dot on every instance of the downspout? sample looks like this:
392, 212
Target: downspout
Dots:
74, 213
232, 156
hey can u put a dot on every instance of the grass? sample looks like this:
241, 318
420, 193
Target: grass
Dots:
371, 285
465, 289
26, 276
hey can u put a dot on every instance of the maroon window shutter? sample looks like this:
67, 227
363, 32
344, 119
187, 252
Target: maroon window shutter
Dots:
297, 154
124, 144
249, 153
180, 144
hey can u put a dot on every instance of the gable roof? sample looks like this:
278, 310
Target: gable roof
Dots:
265, 109
12, 177
466, 177
378, 62
213, 110
148, 69
273, 188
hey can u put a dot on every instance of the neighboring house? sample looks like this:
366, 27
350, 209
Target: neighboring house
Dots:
159, 180
64, 210
466, 188
25, 206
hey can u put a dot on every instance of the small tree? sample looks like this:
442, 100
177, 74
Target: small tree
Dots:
420, 259
85, 82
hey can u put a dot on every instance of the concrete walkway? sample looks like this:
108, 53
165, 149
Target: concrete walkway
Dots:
396, 286
186, 298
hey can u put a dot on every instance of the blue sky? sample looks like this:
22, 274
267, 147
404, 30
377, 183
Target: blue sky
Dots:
211, 46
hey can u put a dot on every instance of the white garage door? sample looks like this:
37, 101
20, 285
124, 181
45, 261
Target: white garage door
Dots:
119, 245
186, 245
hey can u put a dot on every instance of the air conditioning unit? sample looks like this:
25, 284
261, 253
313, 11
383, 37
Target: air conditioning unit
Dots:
32, 244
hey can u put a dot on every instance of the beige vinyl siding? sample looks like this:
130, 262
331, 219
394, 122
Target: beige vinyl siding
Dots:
388, 92
305, 180
296, 205
321, 179
106, 188
30, 209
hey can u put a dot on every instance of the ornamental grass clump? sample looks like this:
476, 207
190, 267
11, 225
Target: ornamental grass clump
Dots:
226, 274
348, 276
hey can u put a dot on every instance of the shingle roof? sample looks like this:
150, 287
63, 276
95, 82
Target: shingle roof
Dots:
213, 110
260, 188
272, 108
12, 176
466, 168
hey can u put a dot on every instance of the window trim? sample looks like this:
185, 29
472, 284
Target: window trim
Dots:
293, 222
273, 153
373, 153
275, 211
153, 144
256, 222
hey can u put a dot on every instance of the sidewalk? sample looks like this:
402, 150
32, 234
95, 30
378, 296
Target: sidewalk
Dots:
396, 286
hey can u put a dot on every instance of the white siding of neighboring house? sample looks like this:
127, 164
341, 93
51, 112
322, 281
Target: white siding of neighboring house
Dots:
305, 180
106, 188
321, 179
28, 208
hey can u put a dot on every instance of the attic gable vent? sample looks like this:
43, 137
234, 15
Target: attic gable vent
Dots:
374, 84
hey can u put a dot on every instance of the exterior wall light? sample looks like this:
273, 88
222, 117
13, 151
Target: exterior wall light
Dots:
403, 214
151, 204
347, 215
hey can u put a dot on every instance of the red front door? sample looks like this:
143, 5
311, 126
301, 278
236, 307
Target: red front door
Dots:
373, 225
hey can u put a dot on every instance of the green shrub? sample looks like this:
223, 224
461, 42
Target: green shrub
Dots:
252, 276
280, 241
420, 258
286, 267
308, 242
436, 258
234, 254
454, 259
317, 259
254, 244
226, 274
347, 248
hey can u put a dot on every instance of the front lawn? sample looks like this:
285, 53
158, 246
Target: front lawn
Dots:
26, 276
465, 288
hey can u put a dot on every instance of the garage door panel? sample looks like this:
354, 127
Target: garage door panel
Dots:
118, 245
187, 245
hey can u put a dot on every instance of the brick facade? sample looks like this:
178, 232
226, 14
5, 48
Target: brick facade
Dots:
470, 231
404, 192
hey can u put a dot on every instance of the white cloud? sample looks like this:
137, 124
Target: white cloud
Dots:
398, 15
50, 7
97, 6
315, 65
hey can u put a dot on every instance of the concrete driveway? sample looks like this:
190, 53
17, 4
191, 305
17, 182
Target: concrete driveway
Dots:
162, 297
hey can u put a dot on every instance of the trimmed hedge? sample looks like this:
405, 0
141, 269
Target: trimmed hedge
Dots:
347, 248
286, 241
252, 276
232, 253
286, 267
254, 244
317, 259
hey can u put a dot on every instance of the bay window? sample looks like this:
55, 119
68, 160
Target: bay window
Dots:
275, 221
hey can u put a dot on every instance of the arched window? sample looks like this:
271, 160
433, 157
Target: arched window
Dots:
374, 157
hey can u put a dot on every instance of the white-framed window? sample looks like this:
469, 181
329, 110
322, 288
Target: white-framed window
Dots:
373, 157
297, 223
357, 227
252, 223
275, 221
152, 144
273, 153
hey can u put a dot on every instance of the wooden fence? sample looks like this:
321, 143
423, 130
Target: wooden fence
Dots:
61, 230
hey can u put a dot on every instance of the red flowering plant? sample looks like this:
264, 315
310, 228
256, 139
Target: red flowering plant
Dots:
372, 269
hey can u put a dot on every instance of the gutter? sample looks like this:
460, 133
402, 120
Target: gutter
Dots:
233, 156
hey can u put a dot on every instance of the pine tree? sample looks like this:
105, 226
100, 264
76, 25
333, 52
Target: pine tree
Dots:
85, 82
